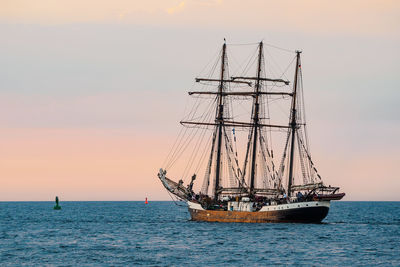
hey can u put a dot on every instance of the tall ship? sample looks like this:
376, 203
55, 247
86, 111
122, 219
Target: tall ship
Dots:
230, 134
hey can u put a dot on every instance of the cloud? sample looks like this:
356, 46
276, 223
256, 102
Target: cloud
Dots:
177, 8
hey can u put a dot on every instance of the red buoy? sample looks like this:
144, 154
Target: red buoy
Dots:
146, 202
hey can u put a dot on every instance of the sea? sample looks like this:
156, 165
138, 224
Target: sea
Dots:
161, 234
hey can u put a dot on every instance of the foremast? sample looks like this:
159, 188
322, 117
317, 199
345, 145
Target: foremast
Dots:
219, 121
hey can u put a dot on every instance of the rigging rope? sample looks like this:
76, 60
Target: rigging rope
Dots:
280, 48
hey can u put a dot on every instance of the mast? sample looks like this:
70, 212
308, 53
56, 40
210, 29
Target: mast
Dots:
256, 119
293, 123
220, 123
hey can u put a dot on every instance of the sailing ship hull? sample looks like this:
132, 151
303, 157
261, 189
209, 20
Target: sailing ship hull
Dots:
301, 212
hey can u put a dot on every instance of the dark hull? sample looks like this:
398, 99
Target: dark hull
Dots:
295, 215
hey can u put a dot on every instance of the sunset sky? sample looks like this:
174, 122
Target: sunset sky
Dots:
91, 92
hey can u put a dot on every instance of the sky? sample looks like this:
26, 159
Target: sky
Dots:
91, 92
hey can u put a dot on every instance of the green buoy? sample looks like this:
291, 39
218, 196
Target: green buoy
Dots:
57, 207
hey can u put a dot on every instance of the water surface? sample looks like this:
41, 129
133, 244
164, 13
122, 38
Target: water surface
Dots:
160, 234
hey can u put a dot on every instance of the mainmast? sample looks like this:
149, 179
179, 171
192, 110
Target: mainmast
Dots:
220, 122
256, 118
293, 123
